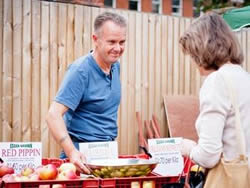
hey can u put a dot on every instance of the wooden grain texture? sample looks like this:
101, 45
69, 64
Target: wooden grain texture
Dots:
176, 56
151, 62
158, 100
70, 34
144, 66
17, 71
1, 69
57, 57
123, 115
79, 31
35, 79
7, 81
86, 30
131, 122
44, 79
26, 72
170, 55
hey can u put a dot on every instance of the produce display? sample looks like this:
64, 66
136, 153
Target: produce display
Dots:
121, 168
66, 171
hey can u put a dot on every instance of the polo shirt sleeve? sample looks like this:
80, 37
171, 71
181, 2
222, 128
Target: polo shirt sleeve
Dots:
214, 107
72, 88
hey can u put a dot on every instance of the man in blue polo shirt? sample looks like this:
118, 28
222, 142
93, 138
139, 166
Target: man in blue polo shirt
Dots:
85, 107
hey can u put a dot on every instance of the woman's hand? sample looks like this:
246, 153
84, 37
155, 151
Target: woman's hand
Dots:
186, 146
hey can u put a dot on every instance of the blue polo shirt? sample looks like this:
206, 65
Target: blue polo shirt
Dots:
93, 98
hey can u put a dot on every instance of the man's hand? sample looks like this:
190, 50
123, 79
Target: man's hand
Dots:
186, 146
79, 160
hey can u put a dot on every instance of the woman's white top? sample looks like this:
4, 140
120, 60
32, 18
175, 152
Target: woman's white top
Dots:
215, 123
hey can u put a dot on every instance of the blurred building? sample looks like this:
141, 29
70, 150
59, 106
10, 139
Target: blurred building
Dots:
185, 8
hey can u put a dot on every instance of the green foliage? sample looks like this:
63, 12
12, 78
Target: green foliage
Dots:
206, 5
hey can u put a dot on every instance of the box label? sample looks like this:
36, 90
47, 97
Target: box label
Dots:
99, 150
166, 151
19, 155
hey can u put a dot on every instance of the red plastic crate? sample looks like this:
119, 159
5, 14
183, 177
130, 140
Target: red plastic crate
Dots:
79, 183
157, 180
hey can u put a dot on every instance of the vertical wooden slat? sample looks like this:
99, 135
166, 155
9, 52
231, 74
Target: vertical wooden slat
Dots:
1, 68
70, 34
36, 32
44, 79
86, 39
79, 31
131, 84
26, 70
170, 55
157, 64
138, 62
138, 77
95, 12
182, 59
175, 61
62, 40
187, 67
17, 71
164, 52
7, 71
124, 102
54, 32
144, 67
151, 68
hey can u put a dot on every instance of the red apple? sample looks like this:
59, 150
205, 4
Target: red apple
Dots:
27, 171
4, 169
67, 166
48, 172
67, 175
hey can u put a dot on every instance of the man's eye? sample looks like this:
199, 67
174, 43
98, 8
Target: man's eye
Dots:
122, 42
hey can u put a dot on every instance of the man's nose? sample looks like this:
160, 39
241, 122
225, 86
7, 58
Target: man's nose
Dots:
117, 47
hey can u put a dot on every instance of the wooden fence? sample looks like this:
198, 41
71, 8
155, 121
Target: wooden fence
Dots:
39, 39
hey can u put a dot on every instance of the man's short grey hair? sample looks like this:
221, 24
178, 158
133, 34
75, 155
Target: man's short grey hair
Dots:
109, 16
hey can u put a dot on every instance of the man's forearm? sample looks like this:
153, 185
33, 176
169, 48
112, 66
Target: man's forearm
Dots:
59, 132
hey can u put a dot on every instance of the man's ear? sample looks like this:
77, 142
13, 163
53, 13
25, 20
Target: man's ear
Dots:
94, 37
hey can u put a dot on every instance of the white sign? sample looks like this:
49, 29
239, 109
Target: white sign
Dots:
19, 155
99, 150
166, 151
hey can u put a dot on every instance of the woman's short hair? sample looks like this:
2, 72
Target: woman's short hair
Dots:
211, 43
108, 16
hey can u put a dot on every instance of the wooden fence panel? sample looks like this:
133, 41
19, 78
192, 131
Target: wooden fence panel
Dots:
39, 39
35, 79
26, 72
7, 71
57, 55
1, 69
163, 70
131, 83
44, 79
17, 71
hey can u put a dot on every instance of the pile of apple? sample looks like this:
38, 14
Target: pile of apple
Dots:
66, 171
